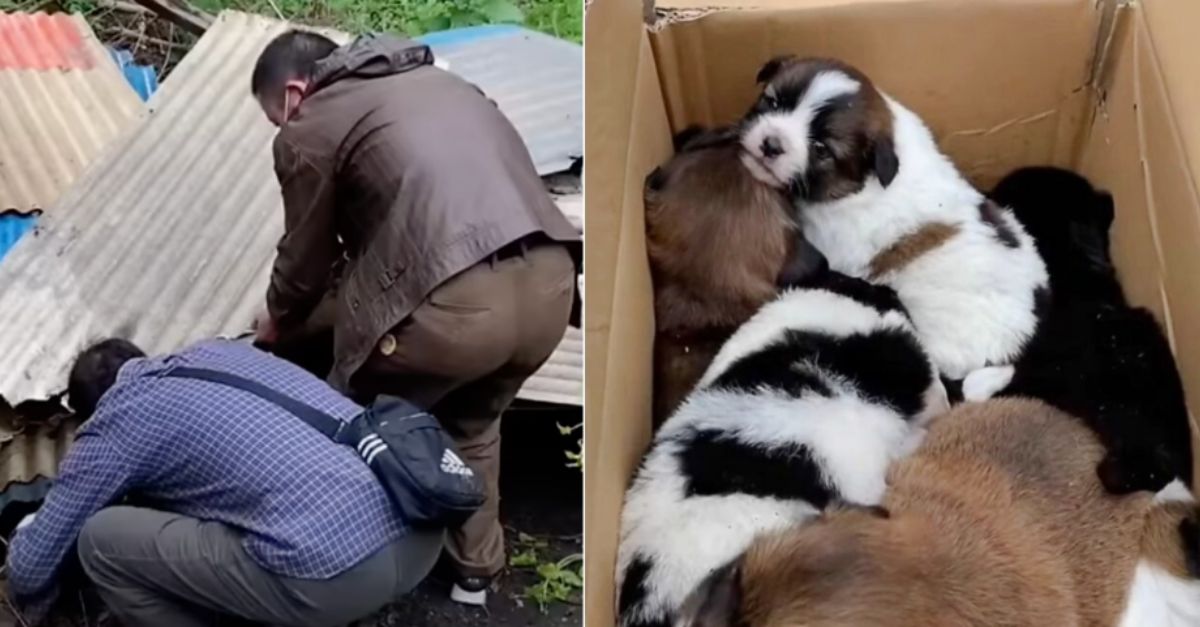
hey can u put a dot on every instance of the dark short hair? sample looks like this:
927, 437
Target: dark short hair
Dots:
289, 56
95, 371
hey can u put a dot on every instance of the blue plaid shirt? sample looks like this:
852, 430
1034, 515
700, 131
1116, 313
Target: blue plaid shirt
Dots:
308, 508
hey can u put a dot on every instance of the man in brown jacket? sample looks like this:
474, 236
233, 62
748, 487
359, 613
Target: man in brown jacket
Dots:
458, 281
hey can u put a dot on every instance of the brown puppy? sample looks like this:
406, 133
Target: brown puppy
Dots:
720, 244
997, 520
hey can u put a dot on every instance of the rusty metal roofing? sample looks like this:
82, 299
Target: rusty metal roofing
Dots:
62, 100
169, 237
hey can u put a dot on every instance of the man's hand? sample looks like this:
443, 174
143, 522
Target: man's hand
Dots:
266, 330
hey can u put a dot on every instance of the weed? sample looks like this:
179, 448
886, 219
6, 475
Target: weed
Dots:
557, 580
574, 458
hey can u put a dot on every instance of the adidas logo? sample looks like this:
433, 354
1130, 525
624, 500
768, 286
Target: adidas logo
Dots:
370, 447
455, 466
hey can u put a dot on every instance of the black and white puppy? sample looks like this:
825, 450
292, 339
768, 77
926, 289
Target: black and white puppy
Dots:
805, 405
1093, 355
880, 200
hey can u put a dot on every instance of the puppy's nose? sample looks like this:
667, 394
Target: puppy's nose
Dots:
771, 147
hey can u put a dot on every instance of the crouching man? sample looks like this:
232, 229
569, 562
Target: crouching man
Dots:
254, 514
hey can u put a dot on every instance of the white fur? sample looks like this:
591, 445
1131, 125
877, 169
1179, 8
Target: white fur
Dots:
984, 383
1160, 599
1175, 492
971, 299
852, 442
791, 128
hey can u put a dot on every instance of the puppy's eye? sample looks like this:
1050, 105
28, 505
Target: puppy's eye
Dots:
821, 151
770, 102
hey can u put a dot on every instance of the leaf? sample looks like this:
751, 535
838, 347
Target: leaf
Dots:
502, 11
571, 578
524, 559
563, 429
548, 571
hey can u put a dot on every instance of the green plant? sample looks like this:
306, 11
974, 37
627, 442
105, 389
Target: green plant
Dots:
557, 580
574, 458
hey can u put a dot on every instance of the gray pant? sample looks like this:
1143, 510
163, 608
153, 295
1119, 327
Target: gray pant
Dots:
157, 568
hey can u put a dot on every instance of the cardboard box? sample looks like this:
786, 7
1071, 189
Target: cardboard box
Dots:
1102, 86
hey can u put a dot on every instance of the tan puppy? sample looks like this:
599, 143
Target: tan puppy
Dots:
997, 520
720, 243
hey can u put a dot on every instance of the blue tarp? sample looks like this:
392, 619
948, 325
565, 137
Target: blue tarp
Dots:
143, 78
12, 227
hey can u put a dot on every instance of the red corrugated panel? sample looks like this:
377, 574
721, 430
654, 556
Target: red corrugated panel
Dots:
37, 41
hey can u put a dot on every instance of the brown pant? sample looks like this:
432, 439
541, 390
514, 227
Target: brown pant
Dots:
463, 354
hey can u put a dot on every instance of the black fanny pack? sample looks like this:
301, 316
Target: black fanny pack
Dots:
407, 449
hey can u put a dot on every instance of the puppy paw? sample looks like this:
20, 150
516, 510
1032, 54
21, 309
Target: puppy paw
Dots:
984, 383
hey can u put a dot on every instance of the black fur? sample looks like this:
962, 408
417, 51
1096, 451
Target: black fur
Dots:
805, 263
772, 67
887, 164
688, 134
772, 368
1069, 221
1092, 355
633, 590
954, 391
656, 180
716, 464
887, 367
989, 211
881, 298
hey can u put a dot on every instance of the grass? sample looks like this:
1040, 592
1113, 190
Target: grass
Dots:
561, 18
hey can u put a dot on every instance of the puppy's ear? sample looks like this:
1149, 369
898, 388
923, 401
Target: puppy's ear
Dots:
686, 136
716, 601
805, 265
1105, 210
656, 180
772, 67
886, 162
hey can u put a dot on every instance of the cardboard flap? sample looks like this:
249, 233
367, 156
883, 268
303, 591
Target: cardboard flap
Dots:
627, 136
1020, 99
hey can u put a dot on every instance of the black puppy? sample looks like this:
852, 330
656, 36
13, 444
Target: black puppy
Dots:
1093, 355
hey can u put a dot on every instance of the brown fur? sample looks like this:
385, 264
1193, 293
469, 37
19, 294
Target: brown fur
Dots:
717, 240
997, 520
910, 247
1161, 541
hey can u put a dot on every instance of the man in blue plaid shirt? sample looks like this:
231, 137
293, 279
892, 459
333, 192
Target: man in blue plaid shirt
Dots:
254, 514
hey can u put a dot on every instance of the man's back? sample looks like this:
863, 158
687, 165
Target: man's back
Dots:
310, 508
419, 174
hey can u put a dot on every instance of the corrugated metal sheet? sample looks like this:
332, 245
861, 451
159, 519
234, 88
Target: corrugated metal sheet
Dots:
170, 236
30, 457
62, 100
536, 79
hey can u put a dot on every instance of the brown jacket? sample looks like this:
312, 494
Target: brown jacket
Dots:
409, 173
